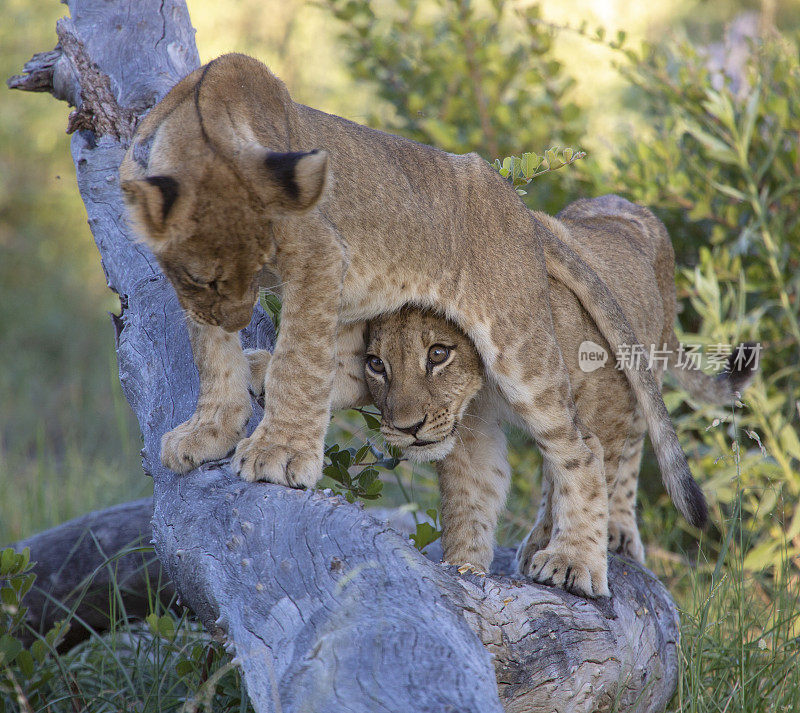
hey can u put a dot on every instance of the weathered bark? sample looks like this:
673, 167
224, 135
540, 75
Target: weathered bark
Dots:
536, 634
325, 607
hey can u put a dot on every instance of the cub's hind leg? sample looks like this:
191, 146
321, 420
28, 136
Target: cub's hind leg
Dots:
473, 482
623, 532
539, 536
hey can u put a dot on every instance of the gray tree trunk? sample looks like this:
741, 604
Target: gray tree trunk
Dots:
325, 607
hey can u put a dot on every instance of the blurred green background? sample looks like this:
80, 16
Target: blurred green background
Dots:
691, 107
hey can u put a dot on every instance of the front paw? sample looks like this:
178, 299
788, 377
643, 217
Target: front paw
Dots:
258, 459
624, 539
197, 441
576, 570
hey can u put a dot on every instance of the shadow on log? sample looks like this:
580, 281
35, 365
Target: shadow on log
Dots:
325, 607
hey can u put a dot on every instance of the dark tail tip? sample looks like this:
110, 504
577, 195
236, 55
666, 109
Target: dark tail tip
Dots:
742, 365
696, 510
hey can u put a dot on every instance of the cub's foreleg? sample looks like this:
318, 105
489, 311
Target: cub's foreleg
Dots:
223, 406
286, 447
349, 387
473, 482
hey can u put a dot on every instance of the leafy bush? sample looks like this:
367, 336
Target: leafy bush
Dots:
24, 675
463, 76
721, 166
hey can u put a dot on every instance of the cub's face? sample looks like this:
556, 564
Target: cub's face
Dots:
207, 216
422, 372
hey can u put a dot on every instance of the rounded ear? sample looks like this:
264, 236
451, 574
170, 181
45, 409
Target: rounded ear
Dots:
150, 200
295, 180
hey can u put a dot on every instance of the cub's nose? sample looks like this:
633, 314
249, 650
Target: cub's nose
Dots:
411, 430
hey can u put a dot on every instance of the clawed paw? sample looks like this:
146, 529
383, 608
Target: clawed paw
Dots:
537, 539
259, 460
624, 539
576, 573
198, 441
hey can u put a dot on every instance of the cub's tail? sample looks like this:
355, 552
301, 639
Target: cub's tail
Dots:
721, 389
567, 267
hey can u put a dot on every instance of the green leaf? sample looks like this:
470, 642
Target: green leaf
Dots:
8, 561
9, 648
25, 663
9, 597
184, 667
166, 627
367, 476
22, 585
344, 459
344, 475
530, 162
395, 452
362, 453
424, 535
373, 490
39, 650
553, 161
371, 421
152, 623
716, 148
750, 114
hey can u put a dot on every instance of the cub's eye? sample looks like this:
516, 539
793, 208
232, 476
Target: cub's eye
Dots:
438, 354
376, 365
198, 281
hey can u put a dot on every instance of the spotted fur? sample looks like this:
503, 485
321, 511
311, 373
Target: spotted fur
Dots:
265, 182
450, 413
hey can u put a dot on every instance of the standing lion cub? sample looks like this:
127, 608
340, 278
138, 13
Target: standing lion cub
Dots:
425, 376
227, 175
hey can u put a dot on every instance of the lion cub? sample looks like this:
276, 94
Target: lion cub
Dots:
426, 378
428, 381
227, 176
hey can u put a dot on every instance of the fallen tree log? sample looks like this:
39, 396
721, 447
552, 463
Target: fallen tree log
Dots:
535, 639
325, 607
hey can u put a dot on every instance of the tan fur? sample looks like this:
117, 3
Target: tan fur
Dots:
627, 245
224, 177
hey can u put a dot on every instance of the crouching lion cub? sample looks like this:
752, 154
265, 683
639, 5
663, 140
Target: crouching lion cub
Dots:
425, 376
227, 175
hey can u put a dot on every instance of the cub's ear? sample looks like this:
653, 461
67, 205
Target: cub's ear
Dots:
150, 200
295, 181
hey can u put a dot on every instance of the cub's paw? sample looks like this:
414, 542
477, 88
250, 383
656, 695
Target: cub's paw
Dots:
197, 441
258, 360
581, 573
470, 559
256, 459
623, 538
537, 539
